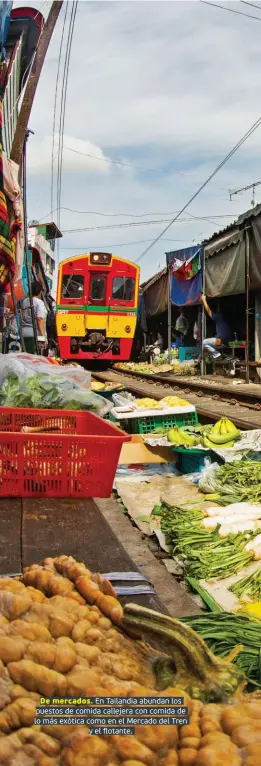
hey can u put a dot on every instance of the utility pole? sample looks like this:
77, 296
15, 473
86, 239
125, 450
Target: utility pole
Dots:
245, 188
32, 82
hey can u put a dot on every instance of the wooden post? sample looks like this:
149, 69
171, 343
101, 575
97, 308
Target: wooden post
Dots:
203, 317
32, 82
247, 283
169, 311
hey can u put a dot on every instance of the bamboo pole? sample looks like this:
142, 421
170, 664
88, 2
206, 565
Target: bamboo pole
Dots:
32, 82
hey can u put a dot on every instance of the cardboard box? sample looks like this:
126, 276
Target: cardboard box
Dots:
136, 452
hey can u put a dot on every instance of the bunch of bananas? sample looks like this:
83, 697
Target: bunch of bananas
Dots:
174, 401
223, 434
97, 386
147, 404
182, 439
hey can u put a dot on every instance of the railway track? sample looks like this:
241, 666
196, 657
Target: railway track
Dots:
212, 400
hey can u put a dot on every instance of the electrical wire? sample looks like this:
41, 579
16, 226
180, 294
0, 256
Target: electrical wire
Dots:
253, 5
63, 109
97, 248
127, 215
125, 164
135, 224
55, 101
206, 182
231, 10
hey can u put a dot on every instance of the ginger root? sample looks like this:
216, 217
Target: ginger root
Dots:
19, 713
13, 605
38, 678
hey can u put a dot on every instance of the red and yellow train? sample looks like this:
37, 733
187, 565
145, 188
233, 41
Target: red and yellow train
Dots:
97, 307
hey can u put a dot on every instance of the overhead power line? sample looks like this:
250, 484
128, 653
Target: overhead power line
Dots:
63, 104
126, 215
89, 248
253, 5
206, 182
55, 102
231, 10
135, 224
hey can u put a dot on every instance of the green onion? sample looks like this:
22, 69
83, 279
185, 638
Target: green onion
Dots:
205, 555
248, 586
222, 632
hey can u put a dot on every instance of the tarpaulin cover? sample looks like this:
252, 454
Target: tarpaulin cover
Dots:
225, 259
156, 296
255, 253
185, 288
186, 291
5, 10
179, 257
142, 314
225, 271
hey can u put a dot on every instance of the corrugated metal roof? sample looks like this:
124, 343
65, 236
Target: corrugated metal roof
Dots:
225, 240
252, 213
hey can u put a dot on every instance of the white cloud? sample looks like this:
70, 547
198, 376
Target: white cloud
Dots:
75, 159
169, 85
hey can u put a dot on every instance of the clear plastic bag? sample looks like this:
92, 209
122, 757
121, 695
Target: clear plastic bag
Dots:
207, 478
30, 381
119, 400
87, 400
25, 365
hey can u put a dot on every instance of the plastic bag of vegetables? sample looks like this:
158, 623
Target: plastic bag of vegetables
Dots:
50, 392
25, 365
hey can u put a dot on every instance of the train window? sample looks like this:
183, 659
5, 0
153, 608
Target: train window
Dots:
72, 286
123, 289
97, 288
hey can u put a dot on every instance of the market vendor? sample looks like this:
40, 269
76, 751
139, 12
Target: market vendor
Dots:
223, 332
40, 314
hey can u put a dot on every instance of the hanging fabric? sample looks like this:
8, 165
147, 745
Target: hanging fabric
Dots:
13, 192
7, 253
182, 324
186, 283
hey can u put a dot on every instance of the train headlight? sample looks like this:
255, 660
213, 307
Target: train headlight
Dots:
64, 327
127, 328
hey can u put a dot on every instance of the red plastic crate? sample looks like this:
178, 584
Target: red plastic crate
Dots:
80, 461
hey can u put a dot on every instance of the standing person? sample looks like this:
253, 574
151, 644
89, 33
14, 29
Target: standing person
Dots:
40, 314
159, 342
51, 326
223, 332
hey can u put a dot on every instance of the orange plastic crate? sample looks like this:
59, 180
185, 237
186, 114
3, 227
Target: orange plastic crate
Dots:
78, 461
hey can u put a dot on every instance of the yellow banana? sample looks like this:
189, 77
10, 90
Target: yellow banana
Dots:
223, 429
228, 444
231, 428
216, 427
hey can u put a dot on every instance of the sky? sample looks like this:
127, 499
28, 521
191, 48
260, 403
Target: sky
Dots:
164, 90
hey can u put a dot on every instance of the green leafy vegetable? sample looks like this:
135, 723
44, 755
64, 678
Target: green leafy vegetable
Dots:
204, 553
223, 632
248, 586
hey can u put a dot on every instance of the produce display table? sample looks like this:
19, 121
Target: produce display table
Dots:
31, 530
